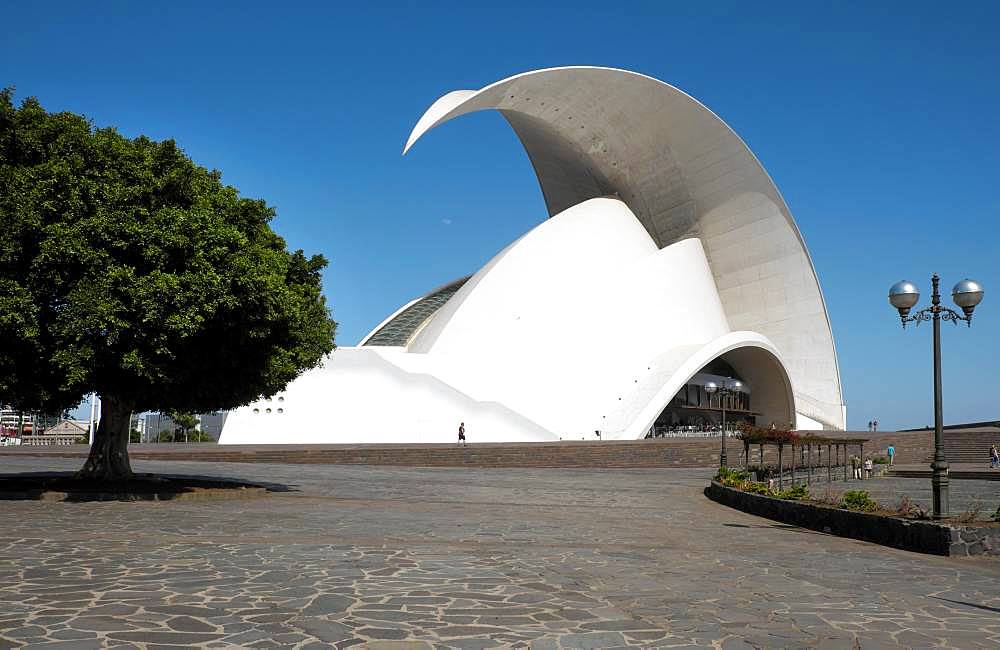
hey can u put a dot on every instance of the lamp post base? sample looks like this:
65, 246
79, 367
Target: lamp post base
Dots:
939, 485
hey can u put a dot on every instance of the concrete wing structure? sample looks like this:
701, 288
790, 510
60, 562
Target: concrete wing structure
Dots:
669, 258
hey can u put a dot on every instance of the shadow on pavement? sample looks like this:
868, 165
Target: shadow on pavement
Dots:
962, 602
66, 487
778, 527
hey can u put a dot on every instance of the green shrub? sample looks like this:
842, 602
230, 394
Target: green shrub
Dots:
858, 500
796, 493
178, 436
996, 515
880, 460
756, 488
728, 474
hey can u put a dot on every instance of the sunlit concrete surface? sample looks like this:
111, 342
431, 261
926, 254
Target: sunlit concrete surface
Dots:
466, 558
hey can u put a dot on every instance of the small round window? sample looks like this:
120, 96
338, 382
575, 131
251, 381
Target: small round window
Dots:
267, 410
256, 410
281, 410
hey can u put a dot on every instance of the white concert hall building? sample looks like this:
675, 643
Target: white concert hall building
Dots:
669, 260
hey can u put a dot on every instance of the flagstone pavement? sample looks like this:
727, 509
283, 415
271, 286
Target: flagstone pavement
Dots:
387, 558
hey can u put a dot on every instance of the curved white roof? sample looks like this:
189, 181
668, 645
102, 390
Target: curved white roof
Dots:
592, 132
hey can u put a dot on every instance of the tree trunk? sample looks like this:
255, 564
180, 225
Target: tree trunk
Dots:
108, 459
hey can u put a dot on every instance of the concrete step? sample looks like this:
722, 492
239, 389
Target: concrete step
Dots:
958, 474
661, 452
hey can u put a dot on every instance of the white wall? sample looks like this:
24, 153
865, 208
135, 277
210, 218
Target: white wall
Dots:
359, 396
565, 321
806, 423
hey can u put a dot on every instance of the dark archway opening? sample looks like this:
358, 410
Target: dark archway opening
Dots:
765, 398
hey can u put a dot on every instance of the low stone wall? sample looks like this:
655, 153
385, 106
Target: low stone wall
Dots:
919, 536
50, 439
975, 541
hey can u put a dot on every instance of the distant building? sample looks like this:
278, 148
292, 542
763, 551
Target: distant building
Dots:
10, 420
14, 422
212, 423
154, 423
69, 428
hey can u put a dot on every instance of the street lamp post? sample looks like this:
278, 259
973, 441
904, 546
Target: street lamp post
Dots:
725, 389
966, 295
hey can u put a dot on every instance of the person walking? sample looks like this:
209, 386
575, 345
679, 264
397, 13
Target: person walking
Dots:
891, 451
869, 426
855, 466
874, 426
461, 435
994, 457
868, 468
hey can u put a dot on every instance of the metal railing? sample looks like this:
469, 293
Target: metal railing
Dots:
692, 432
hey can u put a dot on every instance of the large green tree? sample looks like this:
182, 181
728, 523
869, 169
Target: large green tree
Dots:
130, 271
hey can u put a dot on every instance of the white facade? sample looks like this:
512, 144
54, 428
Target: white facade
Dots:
667, 247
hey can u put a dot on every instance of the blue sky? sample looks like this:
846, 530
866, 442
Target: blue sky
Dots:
879, 125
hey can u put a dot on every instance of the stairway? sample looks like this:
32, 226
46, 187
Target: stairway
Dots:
955, 473
970, 445
661, 452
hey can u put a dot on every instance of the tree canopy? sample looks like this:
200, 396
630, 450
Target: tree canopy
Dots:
128, 270
183, 421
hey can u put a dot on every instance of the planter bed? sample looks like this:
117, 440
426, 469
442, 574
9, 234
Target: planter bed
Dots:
909, 534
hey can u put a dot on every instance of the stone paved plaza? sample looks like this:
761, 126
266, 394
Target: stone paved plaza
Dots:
464, 558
